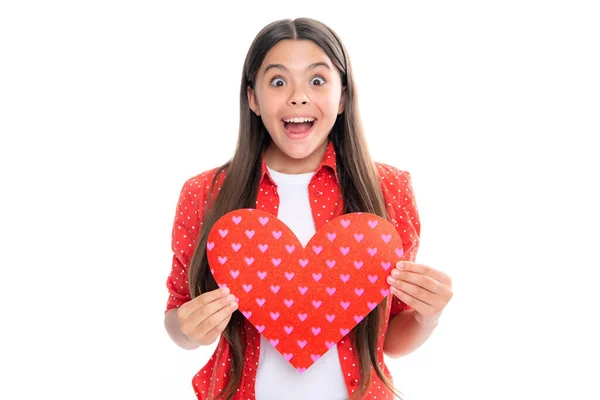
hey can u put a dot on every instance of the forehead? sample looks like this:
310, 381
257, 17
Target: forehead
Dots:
295, 54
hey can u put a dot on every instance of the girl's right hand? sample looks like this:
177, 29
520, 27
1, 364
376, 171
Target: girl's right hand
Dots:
203, 318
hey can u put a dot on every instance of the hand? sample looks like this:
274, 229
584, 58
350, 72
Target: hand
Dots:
203, 318
425, 289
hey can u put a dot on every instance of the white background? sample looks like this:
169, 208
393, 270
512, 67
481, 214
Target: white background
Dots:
106, 108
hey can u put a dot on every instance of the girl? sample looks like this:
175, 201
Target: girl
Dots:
301, 155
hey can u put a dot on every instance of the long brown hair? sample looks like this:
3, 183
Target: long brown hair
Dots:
357, 175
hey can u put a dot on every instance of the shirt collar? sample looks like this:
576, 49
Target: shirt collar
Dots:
328, 161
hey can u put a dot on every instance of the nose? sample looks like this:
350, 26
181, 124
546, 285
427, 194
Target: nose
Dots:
299, 97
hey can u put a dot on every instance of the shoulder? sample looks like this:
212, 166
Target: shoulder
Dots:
402, 209
393, 179
390, 170
198, 185
396, 185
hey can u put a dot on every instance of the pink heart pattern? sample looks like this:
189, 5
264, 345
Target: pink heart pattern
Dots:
303, 300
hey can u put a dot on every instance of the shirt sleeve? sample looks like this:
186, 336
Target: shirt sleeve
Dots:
185, 233
405, 218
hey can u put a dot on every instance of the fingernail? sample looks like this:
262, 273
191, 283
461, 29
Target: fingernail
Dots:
230, 297
400, 265
395, 273
226, 291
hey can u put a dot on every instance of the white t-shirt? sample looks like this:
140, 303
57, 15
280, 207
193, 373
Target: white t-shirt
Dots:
276, 378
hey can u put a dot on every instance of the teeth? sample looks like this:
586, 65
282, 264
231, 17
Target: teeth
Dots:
299, 120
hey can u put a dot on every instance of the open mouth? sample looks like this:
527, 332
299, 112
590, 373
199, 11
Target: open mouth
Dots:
298, 128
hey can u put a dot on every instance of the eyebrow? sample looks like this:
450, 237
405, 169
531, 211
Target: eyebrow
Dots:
311, 66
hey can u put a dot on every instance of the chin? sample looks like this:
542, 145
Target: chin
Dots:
297, 154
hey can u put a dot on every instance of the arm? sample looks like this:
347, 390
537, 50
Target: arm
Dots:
186, 228
405, 334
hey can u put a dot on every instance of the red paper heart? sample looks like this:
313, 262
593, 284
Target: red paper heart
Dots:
303, 300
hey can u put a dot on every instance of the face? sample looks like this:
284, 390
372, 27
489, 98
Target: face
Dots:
297, 80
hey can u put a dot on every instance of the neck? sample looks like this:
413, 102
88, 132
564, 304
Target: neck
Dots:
280, 162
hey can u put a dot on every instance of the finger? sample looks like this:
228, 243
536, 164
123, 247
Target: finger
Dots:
416, 304
216, 331
189, 323
204, 312
215, 319
423, 270
415, 291
205, 298
424, 281
201, 330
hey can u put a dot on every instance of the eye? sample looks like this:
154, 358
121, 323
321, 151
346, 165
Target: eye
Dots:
276, 79
318, 77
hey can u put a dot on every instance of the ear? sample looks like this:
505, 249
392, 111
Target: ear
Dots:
252, 102
342, 100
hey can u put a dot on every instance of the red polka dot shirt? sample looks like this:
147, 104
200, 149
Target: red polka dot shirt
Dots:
326, 203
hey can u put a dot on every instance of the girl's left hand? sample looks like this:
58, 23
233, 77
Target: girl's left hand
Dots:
425, 289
